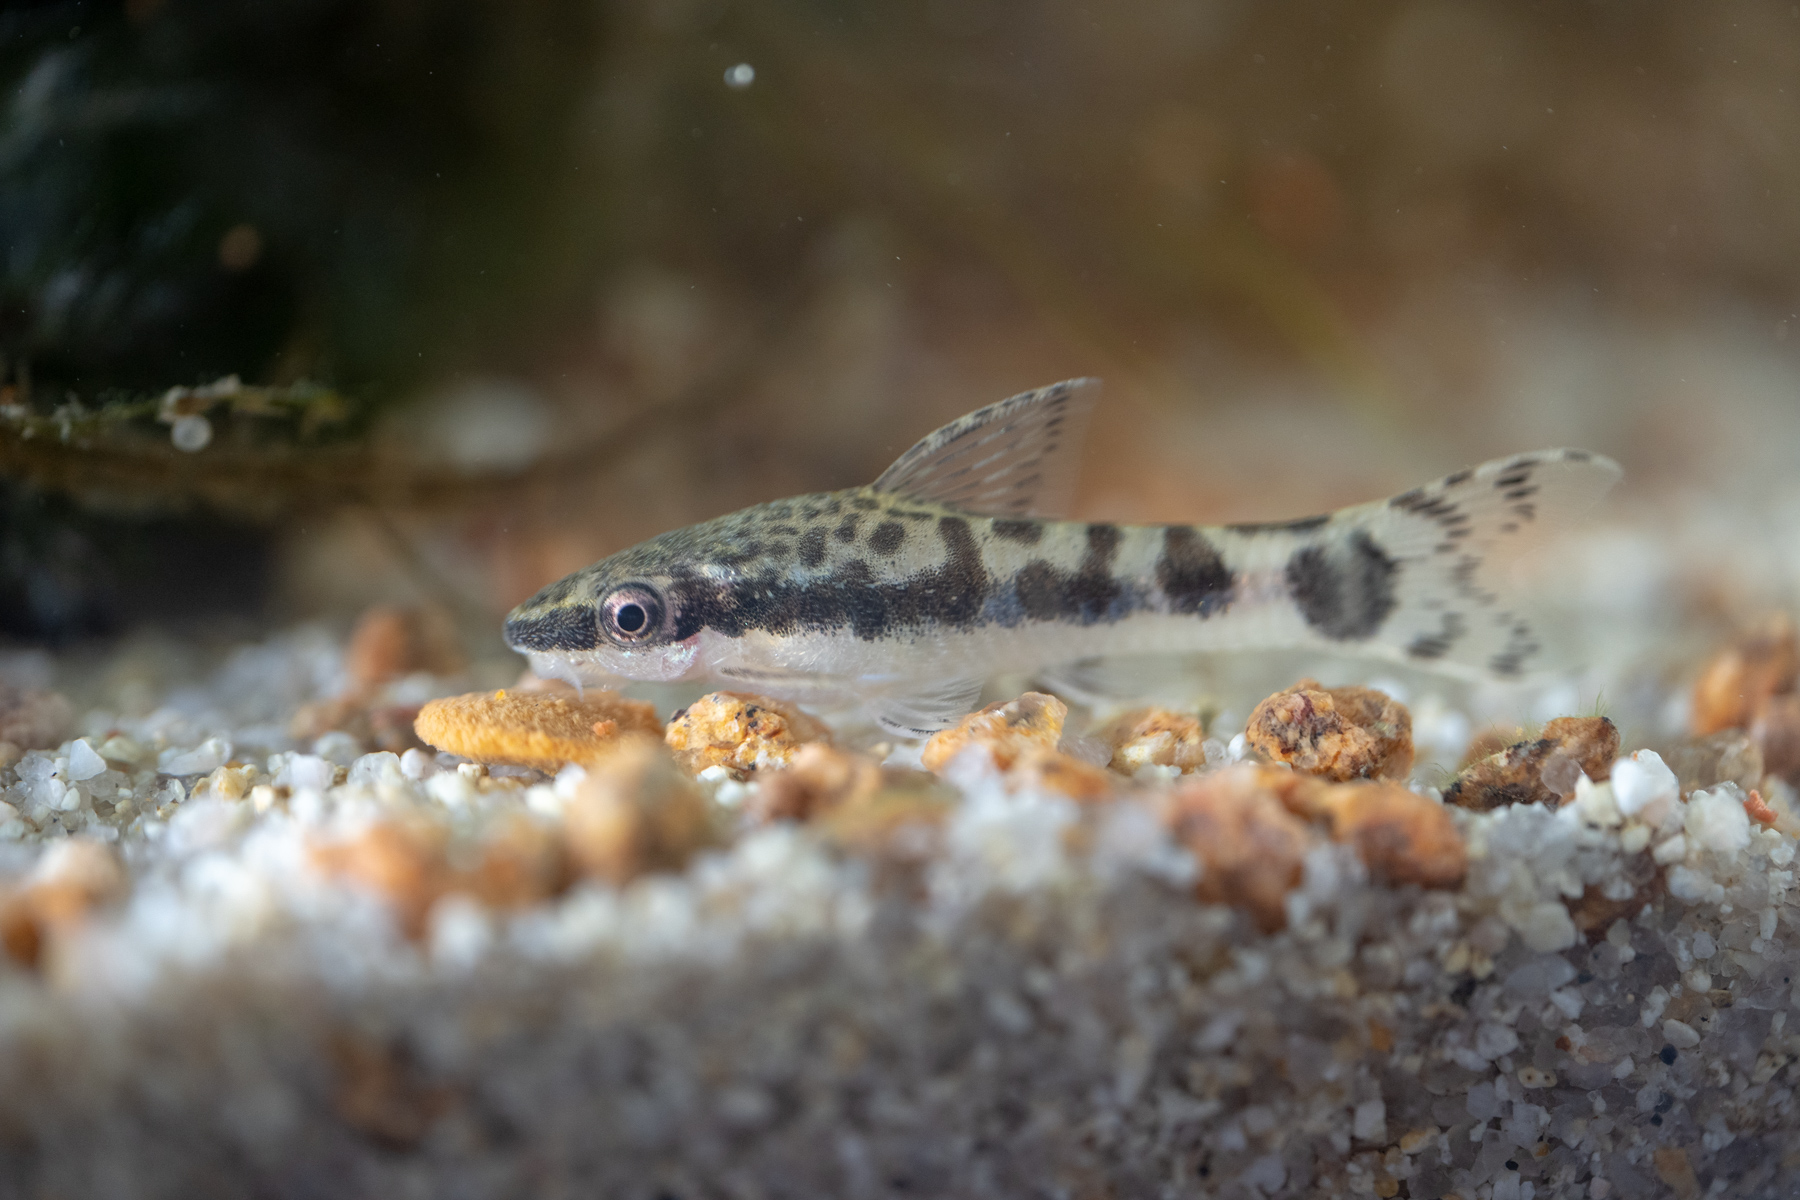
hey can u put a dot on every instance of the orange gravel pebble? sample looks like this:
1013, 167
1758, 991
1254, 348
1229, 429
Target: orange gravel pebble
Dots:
71, 880
1250, 847
533, 729
1542, 770
1402, 836
635, 814
1737, 683
740, 732
1338, 734
1007, 730
1155, 737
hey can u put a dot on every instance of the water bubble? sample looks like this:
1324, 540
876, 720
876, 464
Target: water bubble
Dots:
740, 76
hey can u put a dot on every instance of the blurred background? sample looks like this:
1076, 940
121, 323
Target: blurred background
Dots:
310, 304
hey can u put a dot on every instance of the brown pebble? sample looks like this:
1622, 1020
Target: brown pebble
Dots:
740, 732
636, 813
1042, 769
1737, 682
71, 879
1402, 836
401, 858
1674, 1169
900, 822
1593, 912
521, 862
1005, 730
391, 642
1543, 770
1155, 737
1732, 755
533, 730
381, 1093
1777, 732
1338, 734
1249, 846
34, 720
819, 779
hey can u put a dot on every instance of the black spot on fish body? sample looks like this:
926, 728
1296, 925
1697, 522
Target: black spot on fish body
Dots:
846, 531
1577, 455
1511, 479
1345, 593
785, 530
1429, 646
887, 537
865, 503
1191, 574
1026, 533
1521, 492
1039, 588
812, 547
1459, 478
911, 514
569, 627
1298, 525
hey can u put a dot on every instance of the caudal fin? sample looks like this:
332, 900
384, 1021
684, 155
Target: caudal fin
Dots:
1421, 577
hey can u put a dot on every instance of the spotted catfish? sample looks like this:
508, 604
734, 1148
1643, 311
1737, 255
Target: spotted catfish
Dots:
904, 595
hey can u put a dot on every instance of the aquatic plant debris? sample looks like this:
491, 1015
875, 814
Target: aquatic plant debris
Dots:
953, 567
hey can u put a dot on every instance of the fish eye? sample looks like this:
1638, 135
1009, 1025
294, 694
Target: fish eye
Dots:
632, 612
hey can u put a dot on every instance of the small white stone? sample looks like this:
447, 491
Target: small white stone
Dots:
740, 76
1782, 854
1594, 803
337, 747
1654, 1003
1671, 851
1547, 928
1716, 820
84, 761
1680, 1034
191, 433
1624, 1068
1493, 1039
203, 759
1690, 885
1704, 946
307, 771
383, 766
1644, 787
416, 764
1369, 1122
1634, 838
1698, 980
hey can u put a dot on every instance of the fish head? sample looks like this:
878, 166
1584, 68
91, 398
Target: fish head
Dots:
614, 621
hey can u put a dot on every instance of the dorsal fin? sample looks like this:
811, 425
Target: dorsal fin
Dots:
1015, 458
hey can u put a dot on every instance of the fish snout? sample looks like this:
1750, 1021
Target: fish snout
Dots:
564, 627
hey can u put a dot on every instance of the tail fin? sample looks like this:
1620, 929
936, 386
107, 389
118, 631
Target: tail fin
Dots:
1419, 577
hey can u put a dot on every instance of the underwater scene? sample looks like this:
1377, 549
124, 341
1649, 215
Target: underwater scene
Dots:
676, 599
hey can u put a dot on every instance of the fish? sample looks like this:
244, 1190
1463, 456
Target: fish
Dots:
957, 564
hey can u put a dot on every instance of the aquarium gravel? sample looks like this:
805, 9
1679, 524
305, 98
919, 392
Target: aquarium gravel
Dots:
241, 963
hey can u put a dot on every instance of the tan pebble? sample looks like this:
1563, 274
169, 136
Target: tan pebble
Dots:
740, 732
533, 730
1402, 836
10, 753
636, 813
403, 859
34, 720
70, 880
818, 779
1381, 1038
1051, 771
1335, 733
1006, 730
228, 782
1415, 1140
1673, 1168
1738, 680
1155, 737
1732, 755
1386, 1186
1250, 847
898, 822
521, 861
1593, 912
380, 1092
1777, 731
390, 642
1542, 770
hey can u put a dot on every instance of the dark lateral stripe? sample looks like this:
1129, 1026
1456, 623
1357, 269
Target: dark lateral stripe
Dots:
1024, 532
950, 595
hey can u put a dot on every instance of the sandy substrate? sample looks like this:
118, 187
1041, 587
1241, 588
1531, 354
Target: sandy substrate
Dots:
312, 974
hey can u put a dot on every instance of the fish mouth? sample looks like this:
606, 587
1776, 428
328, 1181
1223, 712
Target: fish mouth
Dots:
563, 628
